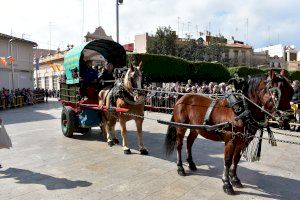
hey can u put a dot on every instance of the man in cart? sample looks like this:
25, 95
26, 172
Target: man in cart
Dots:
106, 77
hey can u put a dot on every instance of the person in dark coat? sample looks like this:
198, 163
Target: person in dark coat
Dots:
46, 95
106, 75
89, 77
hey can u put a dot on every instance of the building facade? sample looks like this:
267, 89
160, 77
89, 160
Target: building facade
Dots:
48, 69
19, 73
48, 64
282, 56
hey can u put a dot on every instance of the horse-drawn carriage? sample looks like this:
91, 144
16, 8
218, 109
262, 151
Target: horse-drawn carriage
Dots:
79, 114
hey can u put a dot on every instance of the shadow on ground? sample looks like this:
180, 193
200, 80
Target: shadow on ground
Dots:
24, 176
207, 153
37, 112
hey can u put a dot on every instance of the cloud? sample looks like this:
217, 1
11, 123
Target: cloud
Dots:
266, 19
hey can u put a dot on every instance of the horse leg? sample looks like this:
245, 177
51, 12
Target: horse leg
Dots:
228, 154
235, 181
190, 141
109, 136
139, 128
124, 137
114, 135
179, 141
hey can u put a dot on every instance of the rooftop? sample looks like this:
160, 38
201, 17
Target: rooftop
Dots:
16, 38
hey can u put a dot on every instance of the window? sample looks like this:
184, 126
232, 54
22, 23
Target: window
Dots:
55, 82
243, 56
39, 83
46, 82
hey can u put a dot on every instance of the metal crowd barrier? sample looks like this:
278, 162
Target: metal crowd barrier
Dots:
160, 103
39, 98
19, 101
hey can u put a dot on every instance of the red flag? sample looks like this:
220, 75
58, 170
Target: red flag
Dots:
11, 58
3, 61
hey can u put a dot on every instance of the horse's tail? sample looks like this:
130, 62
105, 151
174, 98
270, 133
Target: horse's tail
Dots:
170, 140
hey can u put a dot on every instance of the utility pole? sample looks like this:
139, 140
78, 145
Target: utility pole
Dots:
82, 28
12, 64
118, 2
98, 13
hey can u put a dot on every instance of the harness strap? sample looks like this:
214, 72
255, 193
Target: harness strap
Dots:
209, 111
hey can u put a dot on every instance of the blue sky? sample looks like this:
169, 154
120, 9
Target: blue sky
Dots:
269, 21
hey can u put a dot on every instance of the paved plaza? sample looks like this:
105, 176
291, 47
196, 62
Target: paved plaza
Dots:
43, 164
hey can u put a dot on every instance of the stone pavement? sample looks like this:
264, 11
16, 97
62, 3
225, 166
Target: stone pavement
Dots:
44, 164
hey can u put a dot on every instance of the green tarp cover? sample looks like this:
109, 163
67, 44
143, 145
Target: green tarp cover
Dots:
113, 52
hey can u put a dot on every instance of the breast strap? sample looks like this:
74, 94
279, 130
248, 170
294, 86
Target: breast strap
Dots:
209, 111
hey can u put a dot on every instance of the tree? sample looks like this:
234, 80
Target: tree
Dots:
214, 51
164, 42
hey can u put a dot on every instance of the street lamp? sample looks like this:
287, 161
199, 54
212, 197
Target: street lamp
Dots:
118, 2
12, 64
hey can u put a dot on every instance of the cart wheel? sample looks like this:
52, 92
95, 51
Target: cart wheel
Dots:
67, 121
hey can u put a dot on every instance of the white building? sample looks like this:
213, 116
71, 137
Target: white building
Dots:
20, 70
282, 56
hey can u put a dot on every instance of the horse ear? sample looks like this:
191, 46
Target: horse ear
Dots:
131, 67
284, 73
272, 74
141, 65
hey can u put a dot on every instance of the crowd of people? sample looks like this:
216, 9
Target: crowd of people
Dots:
25, 96
163, 98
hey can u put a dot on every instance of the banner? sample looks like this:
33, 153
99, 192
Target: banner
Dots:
3, 61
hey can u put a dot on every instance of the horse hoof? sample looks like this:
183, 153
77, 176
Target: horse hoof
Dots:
228, 189
144, 152
192, 166
116, 141
181, 171
127, 151
110, 143
236, 183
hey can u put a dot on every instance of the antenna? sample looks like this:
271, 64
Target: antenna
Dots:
236, 32
178, 21
247, 24
188, 31
182, 28
208, 26
197, 32
82, 31
98, 13
269, 40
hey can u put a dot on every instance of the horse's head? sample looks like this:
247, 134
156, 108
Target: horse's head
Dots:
282, 88
257, 89
133, 77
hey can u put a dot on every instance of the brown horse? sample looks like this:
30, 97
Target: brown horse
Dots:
125, 99
192, 109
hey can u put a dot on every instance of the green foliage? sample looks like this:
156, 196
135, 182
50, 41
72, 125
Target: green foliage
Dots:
164, 42
171, 69
244, 71
163, 68
205, 71
214, 51
294, 75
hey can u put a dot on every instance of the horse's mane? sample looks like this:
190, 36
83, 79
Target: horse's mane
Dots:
127, 82
253, 82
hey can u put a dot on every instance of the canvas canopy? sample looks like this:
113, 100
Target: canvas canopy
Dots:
94, 50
